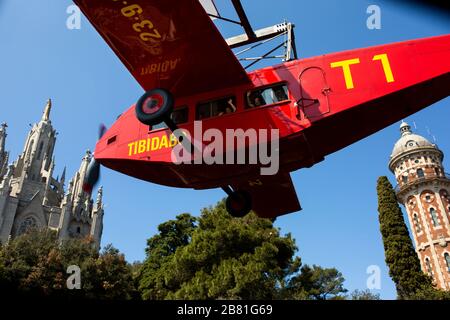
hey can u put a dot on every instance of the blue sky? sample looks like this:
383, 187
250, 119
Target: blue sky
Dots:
338, 227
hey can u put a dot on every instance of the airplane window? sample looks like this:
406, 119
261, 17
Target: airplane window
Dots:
265, 96
203, 111
216, 108
111, 140
180, 115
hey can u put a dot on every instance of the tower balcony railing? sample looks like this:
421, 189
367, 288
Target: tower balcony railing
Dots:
412, 181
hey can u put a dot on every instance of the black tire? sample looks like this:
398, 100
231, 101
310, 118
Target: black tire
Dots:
239, 204
144, 111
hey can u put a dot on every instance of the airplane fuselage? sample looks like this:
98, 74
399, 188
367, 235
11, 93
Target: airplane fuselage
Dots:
331, 102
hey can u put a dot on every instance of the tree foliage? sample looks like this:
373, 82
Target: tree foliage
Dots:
219, 257
316, 283
211, 257
36, 264
363, 295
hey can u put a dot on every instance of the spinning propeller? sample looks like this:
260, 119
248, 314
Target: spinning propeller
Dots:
93, 172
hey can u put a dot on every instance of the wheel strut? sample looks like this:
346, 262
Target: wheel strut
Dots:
228, 191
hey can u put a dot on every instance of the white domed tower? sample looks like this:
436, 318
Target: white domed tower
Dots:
424, 188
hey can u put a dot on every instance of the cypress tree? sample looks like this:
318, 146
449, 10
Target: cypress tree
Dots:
401, 258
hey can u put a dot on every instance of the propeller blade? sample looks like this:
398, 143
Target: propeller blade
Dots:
93, 172
101, 131
92, 176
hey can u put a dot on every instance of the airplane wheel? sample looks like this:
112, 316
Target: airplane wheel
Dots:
239, 204
154, 106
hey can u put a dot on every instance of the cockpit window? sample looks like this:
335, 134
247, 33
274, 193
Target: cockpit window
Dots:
266, 96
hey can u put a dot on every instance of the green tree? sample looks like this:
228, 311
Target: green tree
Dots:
172, 235
107, 276
220, 257
363, 295
317, 283
36, 264
402, 260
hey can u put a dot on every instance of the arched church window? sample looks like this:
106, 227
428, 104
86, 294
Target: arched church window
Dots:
417, 224
420, 173
41, 145
30, 147
27, 224
447, 260
434, 217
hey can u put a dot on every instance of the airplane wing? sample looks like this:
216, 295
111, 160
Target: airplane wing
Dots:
272, 196
170, 44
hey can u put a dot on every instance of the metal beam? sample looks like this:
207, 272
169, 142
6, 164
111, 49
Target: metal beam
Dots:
260, 35
244, 20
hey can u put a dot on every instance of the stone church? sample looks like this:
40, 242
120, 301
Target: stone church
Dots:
31, 197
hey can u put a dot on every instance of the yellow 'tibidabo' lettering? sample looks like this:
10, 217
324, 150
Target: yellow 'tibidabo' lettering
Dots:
345, 65
152, 144
130, 148
142, 146
155, 144
386, 66
173, 141
164, 142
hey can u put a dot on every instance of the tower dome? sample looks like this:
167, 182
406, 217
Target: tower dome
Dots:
410, 143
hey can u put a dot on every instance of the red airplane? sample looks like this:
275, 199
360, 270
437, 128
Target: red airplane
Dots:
190, 73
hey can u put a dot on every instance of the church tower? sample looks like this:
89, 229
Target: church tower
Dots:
81, 217
37, 157
424, 189
31, 197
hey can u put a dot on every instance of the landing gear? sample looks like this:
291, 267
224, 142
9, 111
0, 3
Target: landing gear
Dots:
238, 203
154, 107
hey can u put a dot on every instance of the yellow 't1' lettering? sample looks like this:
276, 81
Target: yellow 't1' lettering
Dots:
345, 65
386, 66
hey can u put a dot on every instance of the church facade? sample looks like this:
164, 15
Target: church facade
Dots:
30, 196
424, 189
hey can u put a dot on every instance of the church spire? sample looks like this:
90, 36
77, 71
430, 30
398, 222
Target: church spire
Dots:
3, 154
48, 108
99, 196
3, 135
63, 177
5, 183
